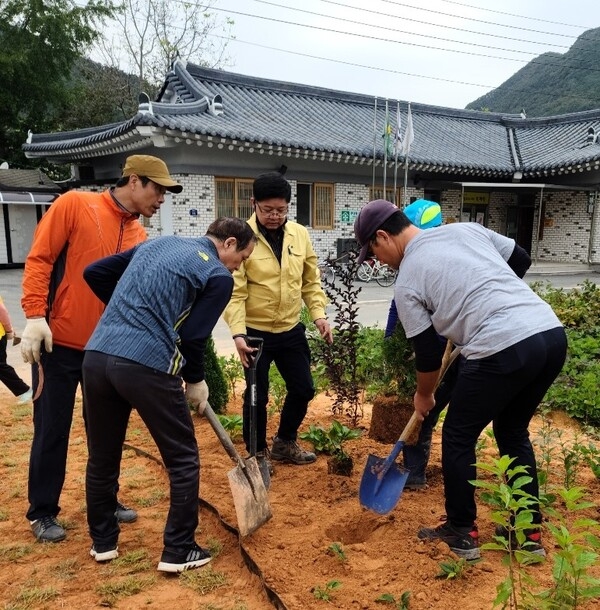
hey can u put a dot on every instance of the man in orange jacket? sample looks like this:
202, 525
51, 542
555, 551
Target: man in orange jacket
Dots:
62, 311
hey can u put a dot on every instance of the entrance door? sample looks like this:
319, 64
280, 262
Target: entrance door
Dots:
22, 223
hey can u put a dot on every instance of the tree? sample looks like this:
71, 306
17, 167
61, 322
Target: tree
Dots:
150, 34
39, 42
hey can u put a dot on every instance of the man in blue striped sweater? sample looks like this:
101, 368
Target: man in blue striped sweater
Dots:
164, 298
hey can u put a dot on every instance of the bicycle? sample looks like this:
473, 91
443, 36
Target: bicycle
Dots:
372, 268
327, 271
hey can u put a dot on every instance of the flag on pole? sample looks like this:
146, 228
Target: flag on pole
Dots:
387, 133
398, 134
409, 134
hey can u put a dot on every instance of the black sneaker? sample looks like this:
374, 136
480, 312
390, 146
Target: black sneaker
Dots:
104, 553
464, 541
48, 529
125, 514
291, 452
416, 484
532, 543
179, 561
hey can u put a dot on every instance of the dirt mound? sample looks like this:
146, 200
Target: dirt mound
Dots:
319, 535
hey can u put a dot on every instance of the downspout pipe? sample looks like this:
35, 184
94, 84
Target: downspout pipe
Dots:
539, 224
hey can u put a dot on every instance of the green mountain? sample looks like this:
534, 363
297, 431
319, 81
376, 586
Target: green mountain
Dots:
551, 84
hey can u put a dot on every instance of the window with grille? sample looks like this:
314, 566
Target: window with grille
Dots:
391, 194
233, 197
315, 205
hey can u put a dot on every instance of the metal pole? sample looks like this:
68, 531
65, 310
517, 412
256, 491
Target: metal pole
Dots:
539, 224
374, 144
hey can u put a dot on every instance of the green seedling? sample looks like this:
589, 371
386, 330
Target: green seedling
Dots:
233, 425
335, 548
454, 568
399, 604
330, 441
325, 593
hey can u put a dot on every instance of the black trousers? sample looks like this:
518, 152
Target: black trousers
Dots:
8, 375
112, 385
52, 418
505, 389
290, 353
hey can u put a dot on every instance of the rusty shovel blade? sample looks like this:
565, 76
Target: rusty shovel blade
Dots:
250, 497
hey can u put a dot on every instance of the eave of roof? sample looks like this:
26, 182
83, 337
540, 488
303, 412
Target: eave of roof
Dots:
312, 122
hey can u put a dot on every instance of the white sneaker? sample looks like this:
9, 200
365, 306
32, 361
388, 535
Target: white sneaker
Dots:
26, 397
107, 555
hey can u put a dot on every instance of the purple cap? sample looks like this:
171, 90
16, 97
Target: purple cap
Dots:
369, 219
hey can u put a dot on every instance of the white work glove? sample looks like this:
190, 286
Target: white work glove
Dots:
36, 331
10, 335
196, 395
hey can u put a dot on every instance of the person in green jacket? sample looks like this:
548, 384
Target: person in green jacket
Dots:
269, 289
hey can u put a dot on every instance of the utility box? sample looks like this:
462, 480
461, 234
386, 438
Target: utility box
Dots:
344, 245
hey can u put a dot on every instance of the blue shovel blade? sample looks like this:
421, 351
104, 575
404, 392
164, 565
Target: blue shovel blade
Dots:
381, 491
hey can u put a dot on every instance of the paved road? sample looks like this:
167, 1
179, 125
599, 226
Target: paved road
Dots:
373, 301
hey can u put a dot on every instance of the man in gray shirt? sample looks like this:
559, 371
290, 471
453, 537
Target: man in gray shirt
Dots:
456, 281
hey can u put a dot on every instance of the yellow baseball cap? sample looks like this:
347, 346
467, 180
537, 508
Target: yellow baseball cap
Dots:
153, 168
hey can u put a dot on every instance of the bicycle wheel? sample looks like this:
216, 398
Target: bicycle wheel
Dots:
327, 273
386, 276
364, 272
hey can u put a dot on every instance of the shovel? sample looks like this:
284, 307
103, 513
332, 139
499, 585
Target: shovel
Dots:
249, 493
383, 480
263, 464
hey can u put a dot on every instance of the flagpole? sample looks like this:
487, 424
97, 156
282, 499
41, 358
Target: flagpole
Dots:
404, 193
374, 144
409, 136
396, 147
385, 147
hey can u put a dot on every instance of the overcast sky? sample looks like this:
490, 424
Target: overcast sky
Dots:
447, 53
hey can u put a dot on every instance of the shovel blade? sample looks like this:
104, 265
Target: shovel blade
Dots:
250, 497
381, 491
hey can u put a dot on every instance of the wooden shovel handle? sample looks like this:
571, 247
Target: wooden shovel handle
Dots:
222, 435
413, 423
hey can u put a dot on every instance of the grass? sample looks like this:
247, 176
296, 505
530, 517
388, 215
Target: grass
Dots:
12, 552
154, 498
110, 592
203, 581
66, 569
33, 597
132, 562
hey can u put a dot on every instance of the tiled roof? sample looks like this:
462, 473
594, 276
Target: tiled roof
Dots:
26, 180
322, 123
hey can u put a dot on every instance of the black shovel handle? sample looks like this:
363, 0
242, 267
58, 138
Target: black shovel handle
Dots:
255, 342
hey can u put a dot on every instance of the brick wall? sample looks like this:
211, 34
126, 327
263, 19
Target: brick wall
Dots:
566, 233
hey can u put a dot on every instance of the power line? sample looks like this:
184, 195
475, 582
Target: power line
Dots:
491, 10
437, 25
502, 25
380, 39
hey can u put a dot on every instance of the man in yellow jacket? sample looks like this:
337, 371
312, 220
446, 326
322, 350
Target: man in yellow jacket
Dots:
269, 289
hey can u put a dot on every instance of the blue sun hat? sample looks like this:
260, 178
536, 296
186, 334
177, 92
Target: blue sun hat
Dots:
424, 214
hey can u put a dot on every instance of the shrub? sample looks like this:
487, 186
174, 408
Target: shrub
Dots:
215, 379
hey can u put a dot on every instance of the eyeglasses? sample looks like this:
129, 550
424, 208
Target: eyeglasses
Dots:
272, 213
